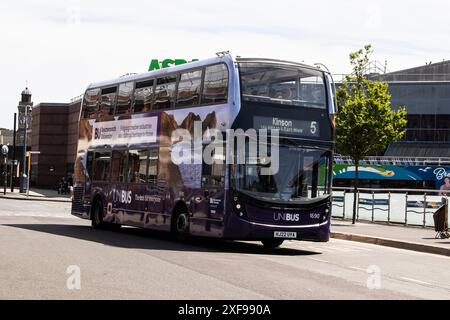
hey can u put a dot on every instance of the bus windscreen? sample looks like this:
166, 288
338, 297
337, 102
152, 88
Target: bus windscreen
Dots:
282, 84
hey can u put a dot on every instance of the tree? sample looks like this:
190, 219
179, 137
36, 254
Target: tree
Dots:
365, 122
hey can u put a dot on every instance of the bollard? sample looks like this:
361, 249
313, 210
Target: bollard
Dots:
373, 205
424, 209
389, 208
343, 207
357, 208
406, 209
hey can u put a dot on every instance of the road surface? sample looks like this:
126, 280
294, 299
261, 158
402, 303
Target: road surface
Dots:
45, 253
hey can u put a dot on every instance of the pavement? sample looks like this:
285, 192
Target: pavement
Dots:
36, 195
409, 238
45, 253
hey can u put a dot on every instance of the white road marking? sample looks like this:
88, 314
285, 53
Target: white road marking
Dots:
319, 260
358, 268
36, 215
416, 281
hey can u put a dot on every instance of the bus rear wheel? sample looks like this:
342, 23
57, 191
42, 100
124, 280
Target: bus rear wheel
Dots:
180, 225
272, 243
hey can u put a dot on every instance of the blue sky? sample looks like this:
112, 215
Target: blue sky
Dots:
62, 46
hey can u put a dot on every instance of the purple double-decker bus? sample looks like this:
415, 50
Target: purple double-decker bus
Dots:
130, 170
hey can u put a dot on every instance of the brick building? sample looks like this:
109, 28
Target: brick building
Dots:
54, 135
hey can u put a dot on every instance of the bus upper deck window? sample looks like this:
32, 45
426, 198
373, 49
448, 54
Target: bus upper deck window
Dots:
90, 104
143, 96
189, 89
165, 92
124, 98
215, 87
107, 103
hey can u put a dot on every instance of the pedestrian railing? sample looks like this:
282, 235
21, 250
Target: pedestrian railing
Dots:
399, 206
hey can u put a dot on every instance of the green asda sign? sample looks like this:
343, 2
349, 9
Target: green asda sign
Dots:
155, 64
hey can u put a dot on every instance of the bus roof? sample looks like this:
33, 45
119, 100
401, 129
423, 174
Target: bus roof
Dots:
275, 61
161, 72
192, 65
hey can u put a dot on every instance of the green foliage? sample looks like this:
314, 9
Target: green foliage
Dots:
365, 123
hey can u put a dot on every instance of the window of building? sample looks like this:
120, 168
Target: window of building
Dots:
101, 166
118, 166
137, 166
107, 103
413, 121
90, 104
165, 92
442, 135
428, 121
443, 121
124, 98
426, 135
215, 87
189, 89
143, 96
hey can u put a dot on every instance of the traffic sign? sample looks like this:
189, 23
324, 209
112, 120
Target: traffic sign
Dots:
5, 150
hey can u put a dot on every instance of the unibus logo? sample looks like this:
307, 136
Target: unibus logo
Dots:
155, 64
293, 217
122, 196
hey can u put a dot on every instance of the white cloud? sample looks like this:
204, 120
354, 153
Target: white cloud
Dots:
60, 47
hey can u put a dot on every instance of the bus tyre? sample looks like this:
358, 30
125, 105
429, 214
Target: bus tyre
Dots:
180, 226
97, 215
272, 243
97, 218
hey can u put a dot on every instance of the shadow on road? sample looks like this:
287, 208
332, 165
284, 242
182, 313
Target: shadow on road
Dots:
135, 238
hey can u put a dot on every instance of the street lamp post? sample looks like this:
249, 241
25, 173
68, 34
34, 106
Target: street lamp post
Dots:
13, 154
5, 170
24, 175
29, 168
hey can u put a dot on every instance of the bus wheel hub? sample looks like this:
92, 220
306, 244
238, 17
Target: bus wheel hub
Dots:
182, 223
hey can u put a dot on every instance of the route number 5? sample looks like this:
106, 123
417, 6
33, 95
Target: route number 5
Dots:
313, 127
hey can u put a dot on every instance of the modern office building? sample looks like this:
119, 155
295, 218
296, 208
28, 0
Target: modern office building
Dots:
421, 160
425, 92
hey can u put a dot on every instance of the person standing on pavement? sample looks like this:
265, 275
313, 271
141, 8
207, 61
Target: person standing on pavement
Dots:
445, 188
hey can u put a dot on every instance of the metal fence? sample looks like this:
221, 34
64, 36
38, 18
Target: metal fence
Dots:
399, 206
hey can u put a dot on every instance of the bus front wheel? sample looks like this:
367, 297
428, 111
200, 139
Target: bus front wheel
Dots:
97, 215
272, 243
97, 218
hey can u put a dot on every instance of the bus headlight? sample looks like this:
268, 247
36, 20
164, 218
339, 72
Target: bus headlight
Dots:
238, 208
326, 214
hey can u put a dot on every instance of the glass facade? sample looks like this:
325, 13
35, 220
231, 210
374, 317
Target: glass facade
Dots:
428, 107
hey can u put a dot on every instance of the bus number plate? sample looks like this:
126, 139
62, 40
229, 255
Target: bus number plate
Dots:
285, 235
